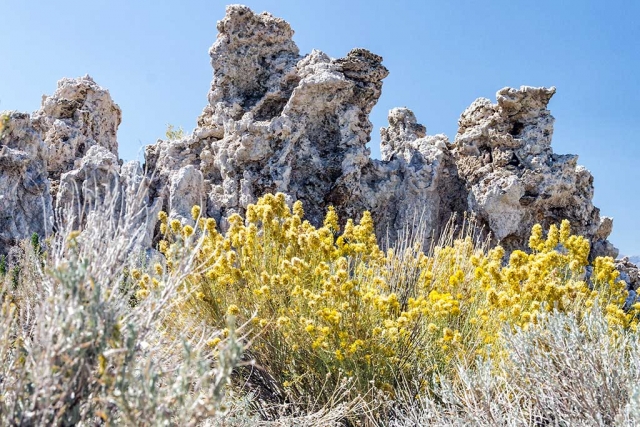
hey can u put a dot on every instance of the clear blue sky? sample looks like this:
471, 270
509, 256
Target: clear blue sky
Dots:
152, 56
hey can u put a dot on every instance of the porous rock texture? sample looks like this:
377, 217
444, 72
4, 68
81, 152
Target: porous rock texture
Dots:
79, 115
503, 153
629, 272
79, 124
100, 180
62, 162
280, 121
25, 197
277, 121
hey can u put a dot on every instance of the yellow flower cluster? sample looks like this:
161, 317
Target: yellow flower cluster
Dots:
324, 301
145, 283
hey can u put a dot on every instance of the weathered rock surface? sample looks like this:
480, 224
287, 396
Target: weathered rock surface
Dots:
100, 182
83, 189
503, 152
79, 115
25, 197
629, 272
279, 121
65, 152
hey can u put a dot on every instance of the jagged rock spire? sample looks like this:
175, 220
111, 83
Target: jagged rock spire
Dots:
279, 121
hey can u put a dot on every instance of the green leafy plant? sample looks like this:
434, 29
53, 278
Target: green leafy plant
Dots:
3, 265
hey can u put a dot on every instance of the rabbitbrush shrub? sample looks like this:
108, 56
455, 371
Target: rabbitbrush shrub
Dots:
334, 329
329, 310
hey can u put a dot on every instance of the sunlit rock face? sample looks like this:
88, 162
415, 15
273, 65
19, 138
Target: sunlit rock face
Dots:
279, 121
62, 161
515, 180
79, 115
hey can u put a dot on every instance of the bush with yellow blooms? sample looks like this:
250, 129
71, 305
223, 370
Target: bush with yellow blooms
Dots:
326, 303
4, 122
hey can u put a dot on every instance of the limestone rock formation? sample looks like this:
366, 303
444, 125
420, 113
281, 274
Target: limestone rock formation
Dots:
503, 152
277, 121
79, 115
25, 198
629, 272
426, 187
100, 182
403, 129
63, 160
82, 189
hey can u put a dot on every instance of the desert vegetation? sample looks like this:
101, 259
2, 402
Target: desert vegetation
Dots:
278, 322
369, 292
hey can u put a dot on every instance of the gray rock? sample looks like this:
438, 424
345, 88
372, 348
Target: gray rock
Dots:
141, 212
92, 184
79, 115
515, 180
629, 272
277, 121
25, 197
186, 190
403, 129
635, 259
280, 122
100, 183
631, 299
